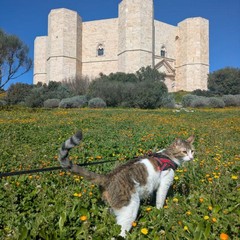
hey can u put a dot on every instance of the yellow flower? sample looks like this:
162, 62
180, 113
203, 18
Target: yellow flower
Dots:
144, 231
185, 228
134, 224
175, 200
201, 200
83, 218
206, 217
148, 209
210, 208
234, 177
176, 178
224, 236
77, 194
214, 220
188, 213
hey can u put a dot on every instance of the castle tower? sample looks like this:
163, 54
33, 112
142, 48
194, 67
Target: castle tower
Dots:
135, 41
40, 58
192, 55
64, 44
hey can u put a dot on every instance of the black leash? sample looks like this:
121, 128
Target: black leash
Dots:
7, 174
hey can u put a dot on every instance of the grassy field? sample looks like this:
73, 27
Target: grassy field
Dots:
202, 204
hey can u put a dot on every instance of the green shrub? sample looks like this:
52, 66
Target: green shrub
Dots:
145, 89
199, 102
73, 102
237, 99
97, 103
36, 98
168, 101
225, 81
51, 103
216, 102
2, 103
230, 100
204, 93
188, 99
17, 93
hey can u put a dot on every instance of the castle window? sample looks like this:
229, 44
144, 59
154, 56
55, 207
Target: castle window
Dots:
163, 51
100, 50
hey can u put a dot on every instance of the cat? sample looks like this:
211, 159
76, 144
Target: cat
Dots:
126, 185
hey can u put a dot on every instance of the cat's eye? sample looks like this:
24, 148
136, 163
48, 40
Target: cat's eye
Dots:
185, 152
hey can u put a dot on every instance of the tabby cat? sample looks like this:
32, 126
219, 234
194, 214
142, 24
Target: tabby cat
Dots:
126, 185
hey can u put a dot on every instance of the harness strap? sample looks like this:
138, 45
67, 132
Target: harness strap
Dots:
165, 164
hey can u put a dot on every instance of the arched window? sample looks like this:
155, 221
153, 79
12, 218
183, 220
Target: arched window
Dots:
100, 50
163, 51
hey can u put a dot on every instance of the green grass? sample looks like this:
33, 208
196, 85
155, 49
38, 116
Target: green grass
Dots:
202, 204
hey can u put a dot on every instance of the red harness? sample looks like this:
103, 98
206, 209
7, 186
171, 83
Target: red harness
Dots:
165, 163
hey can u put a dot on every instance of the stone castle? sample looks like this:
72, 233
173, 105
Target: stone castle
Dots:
124, 44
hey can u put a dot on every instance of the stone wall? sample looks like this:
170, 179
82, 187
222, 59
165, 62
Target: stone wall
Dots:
104, 32
192, 58
135, 35
40, 60
64, 45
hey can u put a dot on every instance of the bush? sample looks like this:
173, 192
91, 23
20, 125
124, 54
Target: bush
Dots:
51, 103
203, 93
73, 102
225, 81
188, 99
216, 102
199, 102
78, 85
17, 93
168, 101
145, 89
230, 100
2, 103
97, 103
36, 98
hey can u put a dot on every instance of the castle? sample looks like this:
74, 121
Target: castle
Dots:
124, 44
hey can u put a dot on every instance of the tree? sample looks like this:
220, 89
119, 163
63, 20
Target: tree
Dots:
14, 60
225, 81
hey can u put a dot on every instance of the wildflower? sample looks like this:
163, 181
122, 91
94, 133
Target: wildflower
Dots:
148, 209
188, 213
176, 178
206, 217
134, 224
185, 228
77, 194
83, 218
165, 206
144, 231
201, 200
175, 200
234, 177
224, 236
214, 220
210, 208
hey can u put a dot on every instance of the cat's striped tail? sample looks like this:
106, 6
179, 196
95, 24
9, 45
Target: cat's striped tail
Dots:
70, 143
66, 147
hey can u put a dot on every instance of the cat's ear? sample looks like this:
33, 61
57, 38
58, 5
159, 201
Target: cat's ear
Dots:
191, 139
177, 141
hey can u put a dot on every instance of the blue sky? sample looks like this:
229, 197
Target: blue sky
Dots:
28, 19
